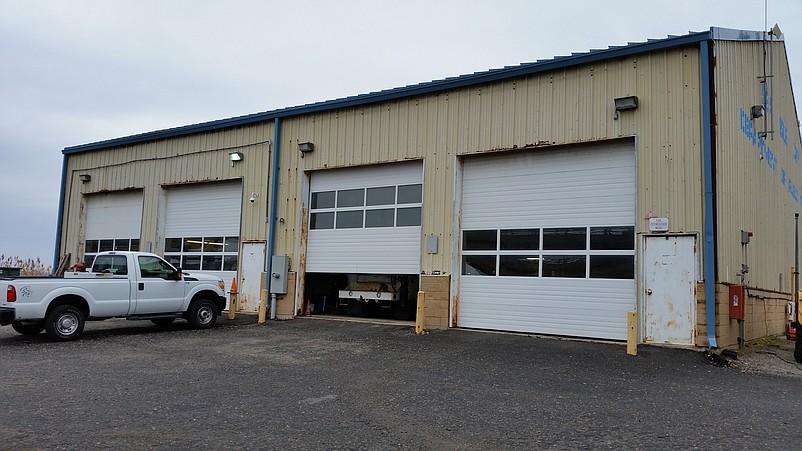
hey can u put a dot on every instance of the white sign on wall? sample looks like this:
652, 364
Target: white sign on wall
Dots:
658, 224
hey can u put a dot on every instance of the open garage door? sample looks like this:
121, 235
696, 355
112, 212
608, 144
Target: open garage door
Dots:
547, 242
113, 223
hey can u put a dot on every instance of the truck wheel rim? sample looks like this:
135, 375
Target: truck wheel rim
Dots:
67, 324
204, 315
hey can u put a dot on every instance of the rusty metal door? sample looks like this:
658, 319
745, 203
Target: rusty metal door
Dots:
669, 289
253, 266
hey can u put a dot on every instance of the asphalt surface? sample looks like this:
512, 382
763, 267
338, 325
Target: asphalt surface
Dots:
318, 384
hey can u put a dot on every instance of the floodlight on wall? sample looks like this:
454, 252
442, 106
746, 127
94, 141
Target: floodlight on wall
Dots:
235, 157
757, 111
84, 178
625, 103
306, 147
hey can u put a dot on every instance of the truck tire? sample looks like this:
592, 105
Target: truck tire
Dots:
28, 329
64, 323
202, 314
162, 322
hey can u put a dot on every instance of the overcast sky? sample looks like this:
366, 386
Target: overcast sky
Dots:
80, 71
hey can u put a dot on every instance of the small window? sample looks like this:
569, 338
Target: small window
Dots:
612, 238
566, 239
612, 266
323, 199
351, 198
91, 246
230, 263
408, 217
106, 245
114, 264
381, 196
232, 244
135, 245
174, 260
410, 194
212, 262
322, 220
349, 219
122, 245
213, 244
172, 245
520, 239
479, 240
519, 265
191, 262
380, 218
479, 265
564, 266
194, 244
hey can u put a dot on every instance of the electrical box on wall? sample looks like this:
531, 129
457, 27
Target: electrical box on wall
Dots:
280, 268
737, 302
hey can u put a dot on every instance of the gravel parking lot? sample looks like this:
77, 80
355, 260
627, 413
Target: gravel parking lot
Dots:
319, 384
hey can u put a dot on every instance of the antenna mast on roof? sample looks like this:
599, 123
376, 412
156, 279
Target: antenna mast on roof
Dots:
767, 85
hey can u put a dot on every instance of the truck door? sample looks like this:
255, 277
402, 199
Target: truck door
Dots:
158, 290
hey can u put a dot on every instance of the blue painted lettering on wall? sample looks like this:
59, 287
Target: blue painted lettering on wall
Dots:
751, 134
767, 100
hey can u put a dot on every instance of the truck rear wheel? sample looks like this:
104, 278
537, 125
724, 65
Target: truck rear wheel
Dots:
64, 323
28, 329
202, 314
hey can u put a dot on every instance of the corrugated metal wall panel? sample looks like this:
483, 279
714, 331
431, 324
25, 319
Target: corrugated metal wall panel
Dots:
752, 193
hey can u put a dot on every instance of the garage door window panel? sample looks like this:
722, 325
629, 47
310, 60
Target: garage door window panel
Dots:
519, 265
520, 239
479, 265
612, 266
384, 217
573, 238
384, 195
612, 238
213, 253
349, 219
350, 198
479, 240
324, 199
408, 217
410, 194
322, 220
564, 266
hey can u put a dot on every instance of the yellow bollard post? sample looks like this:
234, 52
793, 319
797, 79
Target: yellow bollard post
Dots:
632, 333
232, 303
420, 313
262, 307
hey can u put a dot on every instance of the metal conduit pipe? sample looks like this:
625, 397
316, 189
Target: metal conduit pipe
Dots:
271, 238
60, 219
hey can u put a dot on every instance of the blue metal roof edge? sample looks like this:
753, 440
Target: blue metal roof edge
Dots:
462, 81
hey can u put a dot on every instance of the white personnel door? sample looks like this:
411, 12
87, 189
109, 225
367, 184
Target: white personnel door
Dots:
669, 289
253, 265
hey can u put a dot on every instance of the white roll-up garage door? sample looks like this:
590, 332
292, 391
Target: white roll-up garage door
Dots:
201, 227
113, 222
547, 242
366, 220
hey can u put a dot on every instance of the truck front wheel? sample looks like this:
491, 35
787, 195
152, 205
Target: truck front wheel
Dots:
64, 323
28, 329
202, 314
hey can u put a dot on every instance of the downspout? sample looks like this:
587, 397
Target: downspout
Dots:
60, 219
271, 239
708, 175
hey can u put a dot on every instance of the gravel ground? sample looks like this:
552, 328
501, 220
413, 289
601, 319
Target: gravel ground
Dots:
317, 384
775, 358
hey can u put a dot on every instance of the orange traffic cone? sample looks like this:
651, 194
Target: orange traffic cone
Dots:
233, 286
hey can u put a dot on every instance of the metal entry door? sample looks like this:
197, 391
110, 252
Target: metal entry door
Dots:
253, 266
669, 289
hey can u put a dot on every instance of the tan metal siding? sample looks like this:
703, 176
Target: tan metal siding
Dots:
151, 165
561, 107
750, 194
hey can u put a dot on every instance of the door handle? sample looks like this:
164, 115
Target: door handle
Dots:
141, 286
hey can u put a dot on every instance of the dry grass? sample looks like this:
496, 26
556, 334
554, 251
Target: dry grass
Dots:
28, 267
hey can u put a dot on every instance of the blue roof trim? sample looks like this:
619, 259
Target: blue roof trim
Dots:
445, 84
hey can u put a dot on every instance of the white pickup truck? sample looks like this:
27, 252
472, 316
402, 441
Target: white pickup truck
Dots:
132, 285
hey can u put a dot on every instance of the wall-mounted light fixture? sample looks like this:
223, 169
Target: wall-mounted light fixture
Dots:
235, 157
306, 147
757, 111
84, 178
625, 103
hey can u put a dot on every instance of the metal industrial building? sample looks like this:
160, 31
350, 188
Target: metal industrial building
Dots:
552, 197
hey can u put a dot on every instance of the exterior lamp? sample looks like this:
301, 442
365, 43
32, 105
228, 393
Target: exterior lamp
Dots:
235, 157
625, 103
84, 178
757, 111
306, 147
